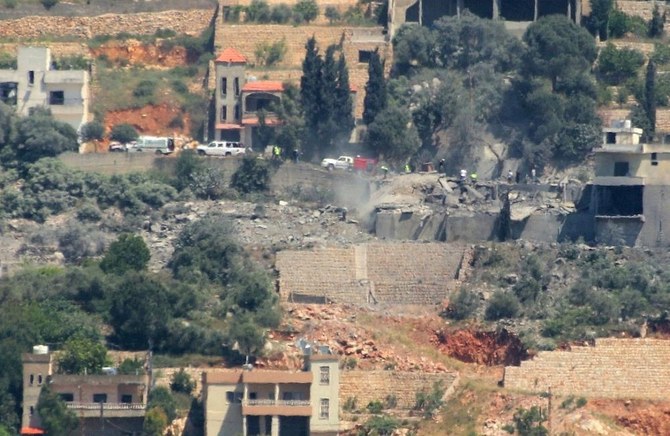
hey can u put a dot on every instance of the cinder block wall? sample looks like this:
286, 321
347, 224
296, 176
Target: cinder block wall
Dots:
614, 368
639, 8
367, 386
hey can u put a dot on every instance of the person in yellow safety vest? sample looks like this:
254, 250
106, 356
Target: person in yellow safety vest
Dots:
385, 170
276, 151
408, 169
473, 177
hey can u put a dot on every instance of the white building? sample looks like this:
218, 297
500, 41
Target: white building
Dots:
35, 83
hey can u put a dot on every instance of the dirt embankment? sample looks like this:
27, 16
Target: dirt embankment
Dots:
484, 348
131, 52
155, 120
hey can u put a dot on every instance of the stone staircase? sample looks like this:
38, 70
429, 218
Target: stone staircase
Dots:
390, 273
613, 368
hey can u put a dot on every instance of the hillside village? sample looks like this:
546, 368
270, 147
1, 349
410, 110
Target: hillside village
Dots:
489, 259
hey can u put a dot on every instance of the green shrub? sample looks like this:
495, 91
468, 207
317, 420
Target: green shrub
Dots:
349, 404
382, 425
306, 10
615, 66
375, 407
131, 366
146, 88
165, 33
88, 212
390, 402
281, 13
258, 11
232, 13
268, 54
252, 176
10, 4
581, 402
127, 253
181, 382
124, 133
92, 131
161, 397
332, 14
74, 62
7, 61
502, 305
179, 87
430, 401
529, 421
77, 242
527, 289
567, 403
48, 4
463, 305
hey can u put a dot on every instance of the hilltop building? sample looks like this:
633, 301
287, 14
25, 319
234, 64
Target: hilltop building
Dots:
517, 14
239, 98
277, 403
629, 200
36, 83
106, 405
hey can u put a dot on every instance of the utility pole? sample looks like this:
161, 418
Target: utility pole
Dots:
549, 412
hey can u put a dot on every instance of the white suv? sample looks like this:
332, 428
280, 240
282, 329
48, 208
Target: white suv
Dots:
221, 148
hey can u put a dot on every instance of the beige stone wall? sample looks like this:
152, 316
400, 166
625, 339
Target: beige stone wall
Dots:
58, 49
191, 22
639, 8
390, 273
614, 368
367, 386
662, 118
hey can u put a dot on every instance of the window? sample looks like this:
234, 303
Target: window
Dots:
325, 375
253, 395
39, 379
236, 86
31, 77
57, 97
325, 405
32, 410
611, 138
654, 159
32, 379
621, 169
364, 56
224, 112
66, 396
224, 87
126, 398
237, 112
99, 398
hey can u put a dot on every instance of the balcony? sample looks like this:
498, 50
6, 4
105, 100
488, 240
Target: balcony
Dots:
618, 181
109, 410
277, 407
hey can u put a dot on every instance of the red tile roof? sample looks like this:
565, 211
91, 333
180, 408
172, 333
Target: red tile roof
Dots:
31, 430
231, 55
263, 86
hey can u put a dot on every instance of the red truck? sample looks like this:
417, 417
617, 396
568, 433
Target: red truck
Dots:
364, 164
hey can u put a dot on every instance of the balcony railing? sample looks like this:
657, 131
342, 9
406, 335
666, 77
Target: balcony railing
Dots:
105, 406
291, 403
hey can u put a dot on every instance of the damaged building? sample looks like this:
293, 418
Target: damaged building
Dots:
629, 190
516, 14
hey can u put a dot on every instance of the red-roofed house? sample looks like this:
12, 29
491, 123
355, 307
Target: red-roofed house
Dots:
238, 99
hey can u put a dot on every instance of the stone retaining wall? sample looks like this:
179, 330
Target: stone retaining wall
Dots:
614, 368
191, 22
638, 8
391, 273
367, 386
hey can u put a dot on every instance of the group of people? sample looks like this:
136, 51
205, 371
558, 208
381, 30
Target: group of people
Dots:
277, 154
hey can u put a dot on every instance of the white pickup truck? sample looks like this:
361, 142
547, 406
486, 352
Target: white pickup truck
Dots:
341, 163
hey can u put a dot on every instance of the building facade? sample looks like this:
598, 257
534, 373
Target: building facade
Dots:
276, 403
106, 405
631, 189
35, 83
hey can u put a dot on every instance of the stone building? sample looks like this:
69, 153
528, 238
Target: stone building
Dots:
106, 405
517, 14
278, 403
629, 197
36, 83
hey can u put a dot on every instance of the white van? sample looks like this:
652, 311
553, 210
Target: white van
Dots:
222, 148
158, 145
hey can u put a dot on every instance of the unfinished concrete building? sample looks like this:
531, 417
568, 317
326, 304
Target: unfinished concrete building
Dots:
629, 196
517, 14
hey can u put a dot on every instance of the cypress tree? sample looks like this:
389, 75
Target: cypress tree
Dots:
344, 118
375, 89
656, 23
650, 99
310, 86
327, 129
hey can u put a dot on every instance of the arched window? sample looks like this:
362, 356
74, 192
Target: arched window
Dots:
32, 379
39, 379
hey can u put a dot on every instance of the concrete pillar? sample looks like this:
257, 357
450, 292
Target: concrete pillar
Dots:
459, 8
420, 12
569, 10
277, 392
536, 11
244, 425
578, 11
275, 426
496, 9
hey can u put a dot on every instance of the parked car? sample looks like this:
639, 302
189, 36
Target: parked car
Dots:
159, 145
341, 163
221, 148
117, 147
